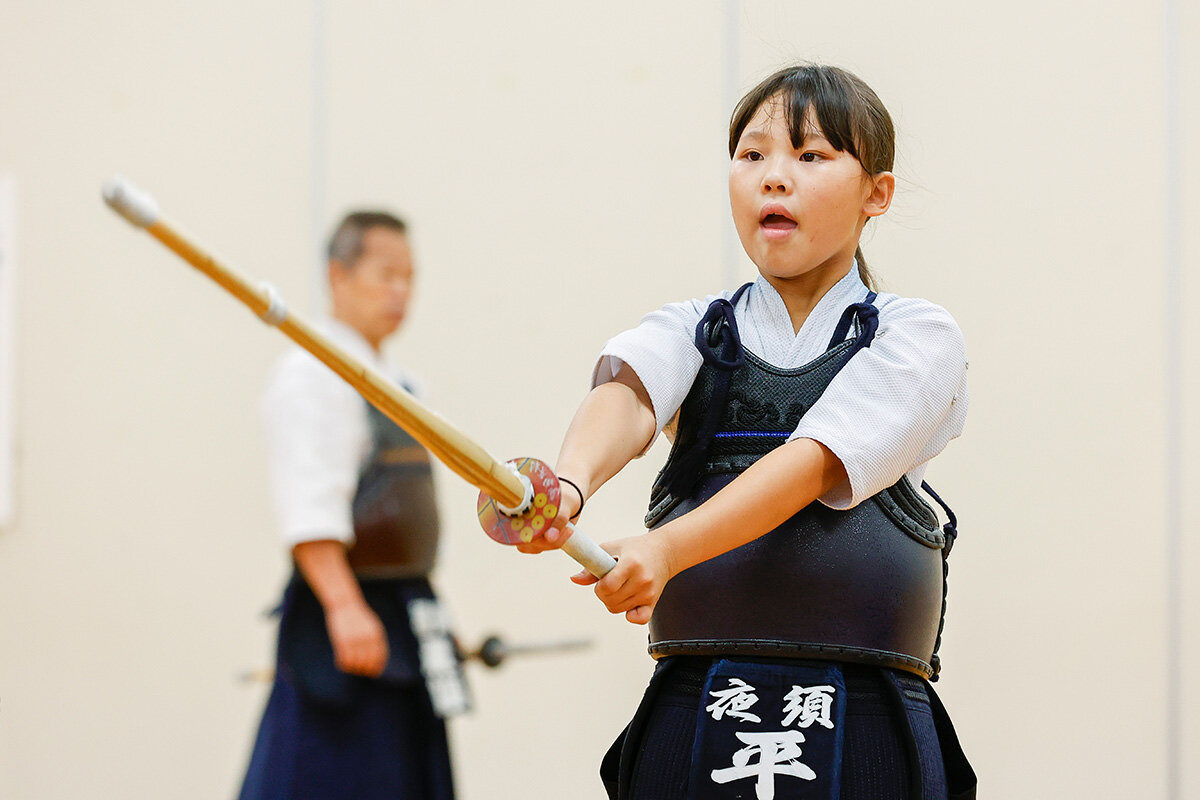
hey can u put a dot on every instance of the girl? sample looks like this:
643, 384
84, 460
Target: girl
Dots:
794, 579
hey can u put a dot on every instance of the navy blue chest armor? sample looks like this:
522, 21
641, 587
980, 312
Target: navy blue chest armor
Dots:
864, 585
396, 534
395, 512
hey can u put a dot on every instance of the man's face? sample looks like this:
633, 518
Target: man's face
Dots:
372, 294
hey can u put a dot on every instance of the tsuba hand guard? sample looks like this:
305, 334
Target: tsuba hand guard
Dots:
532, 521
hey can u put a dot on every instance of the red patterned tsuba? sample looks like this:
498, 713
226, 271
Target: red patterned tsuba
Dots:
535, 519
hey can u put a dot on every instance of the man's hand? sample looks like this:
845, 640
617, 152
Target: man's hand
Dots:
358, 638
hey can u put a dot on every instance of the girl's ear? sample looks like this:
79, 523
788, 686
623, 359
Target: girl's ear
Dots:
883, 186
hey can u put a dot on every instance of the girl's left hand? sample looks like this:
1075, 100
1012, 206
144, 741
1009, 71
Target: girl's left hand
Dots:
635, 583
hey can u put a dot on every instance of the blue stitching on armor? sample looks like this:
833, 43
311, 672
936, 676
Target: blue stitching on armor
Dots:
728, 434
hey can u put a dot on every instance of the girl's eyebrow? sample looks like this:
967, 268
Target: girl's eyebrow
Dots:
810, 137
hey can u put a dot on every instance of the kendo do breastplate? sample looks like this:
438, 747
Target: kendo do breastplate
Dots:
395, 513
863, 585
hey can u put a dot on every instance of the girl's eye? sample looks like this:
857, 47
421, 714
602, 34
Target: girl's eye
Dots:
753, 155
810, 157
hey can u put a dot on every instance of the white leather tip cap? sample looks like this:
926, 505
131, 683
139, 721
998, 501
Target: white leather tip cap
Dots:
129, 201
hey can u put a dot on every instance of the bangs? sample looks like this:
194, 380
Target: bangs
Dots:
816, 105
813, 99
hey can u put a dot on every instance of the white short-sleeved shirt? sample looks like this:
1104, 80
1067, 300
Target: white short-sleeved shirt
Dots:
892, 407
318, 438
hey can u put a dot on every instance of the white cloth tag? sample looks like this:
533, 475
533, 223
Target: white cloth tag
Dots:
439, 665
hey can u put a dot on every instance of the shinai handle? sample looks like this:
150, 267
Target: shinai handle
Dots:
590, 555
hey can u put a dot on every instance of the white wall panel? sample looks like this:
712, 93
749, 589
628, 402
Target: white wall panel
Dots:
1186, 172
563, 170
8, 349
132, 583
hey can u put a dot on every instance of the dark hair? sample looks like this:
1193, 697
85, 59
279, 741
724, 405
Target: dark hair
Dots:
346, 243
849, 114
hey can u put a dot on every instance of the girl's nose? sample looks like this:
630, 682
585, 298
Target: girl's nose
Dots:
774, 181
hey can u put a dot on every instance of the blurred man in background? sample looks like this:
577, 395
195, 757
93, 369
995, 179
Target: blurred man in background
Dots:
365, 667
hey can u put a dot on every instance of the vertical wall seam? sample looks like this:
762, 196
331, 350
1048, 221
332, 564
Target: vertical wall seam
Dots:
1173, 232
8, 352
732, 45
317, 76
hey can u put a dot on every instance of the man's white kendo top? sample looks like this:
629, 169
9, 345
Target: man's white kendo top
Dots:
318, 438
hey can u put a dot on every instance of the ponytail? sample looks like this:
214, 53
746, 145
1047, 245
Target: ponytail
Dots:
864, 273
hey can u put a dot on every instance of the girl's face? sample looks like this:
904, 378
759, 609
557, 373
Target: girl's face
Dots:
799, 211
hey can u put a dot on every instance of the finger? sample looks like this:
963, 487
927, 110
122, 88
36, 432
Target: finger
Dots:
358, 659
538, 544
541, 542
374, 668
634, 589
611, 586
379, 657
559, 531
639, 615
343, 654
626, 601
367, 659
584, 578
348, 662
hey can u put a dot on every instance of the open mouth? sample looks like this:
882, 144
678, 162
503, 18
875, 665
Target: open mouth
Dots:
777, 222
775, 217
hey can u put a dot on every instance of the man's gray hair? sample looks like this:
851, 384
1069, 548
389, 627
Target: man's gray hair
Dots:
346, 243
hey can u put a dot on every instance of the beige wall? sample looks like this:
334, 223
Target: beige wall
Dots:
563, 169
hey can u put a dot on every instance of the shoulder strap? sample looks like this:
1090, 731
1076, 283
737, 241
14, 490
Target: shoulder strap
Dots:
717, 336
867, 316
720, 345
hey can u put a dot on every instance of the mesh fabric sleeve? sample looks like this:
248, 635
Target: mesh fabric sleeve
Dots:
896, 404
662, 352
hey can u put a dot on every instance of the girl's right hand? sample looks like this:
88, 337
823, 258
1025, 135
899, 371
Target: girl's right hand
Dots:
558, 533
